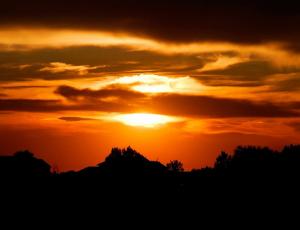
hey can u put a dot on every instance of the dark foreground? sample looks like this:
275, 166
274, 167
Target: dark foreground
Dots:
253, 180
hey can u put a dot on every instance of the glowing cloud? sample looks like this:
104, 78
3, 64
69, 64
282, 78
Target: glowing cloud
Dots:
35, 38
150, 83
58, 67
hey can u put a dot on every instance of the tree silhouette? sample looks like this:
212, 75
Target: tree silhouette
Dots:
175, 166
128, 170
223, 161
252, 159
125, 158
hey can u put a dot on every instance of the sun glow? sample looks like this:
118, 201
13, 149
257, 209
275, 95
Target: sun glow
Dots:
146, 120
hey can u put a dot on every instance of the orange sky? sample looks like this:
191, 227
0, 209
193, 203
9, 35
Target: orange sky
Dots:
70, 93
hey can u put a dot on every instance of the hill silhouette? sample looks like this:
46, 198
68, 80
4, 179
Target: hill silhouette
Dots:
23, 164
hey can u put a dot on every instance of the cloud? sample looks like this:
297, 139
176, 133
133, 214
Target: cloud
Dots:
260, 126
227, 81
207, 106
30, 105
251, 73
234, 21
91, 62
76, 119
169, 104
115, 98
183, 105
97, 62
15, 72
59, 67
252, 70
151, 83
285, 83
295, 125
49, 106
72, 93
13, 87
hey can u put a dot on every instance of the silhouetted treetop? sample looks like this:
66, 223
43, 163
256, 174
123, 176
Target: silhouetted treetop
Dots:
251, 157
175, 166
223, 161
123, 161
260, 161
292, 151
128, 155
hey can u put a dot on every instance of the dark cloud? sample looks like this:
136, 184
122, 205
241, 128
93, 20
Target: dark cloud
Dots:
109, 92
294, 104
100, 61
227, 81
250, 74
76, 119
46, 106
17, 73
206, 106
128, 101
173, 104
25, 87
183, 105
77, 55
30, 105
295, 125
252, 70
291, 84
235, 21
3, 95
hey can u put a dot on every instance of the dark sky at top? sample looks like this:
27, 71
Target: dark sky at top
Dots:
234, 21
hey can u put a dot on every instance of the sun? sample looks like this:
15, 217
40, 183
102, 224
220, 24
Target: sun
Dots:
146, 120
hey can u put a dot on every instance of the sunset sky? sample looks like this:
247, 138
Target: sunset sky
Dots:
173, 79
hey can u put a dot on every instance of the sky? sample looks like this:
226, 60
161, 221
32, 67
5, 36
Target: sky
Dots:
174, 79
